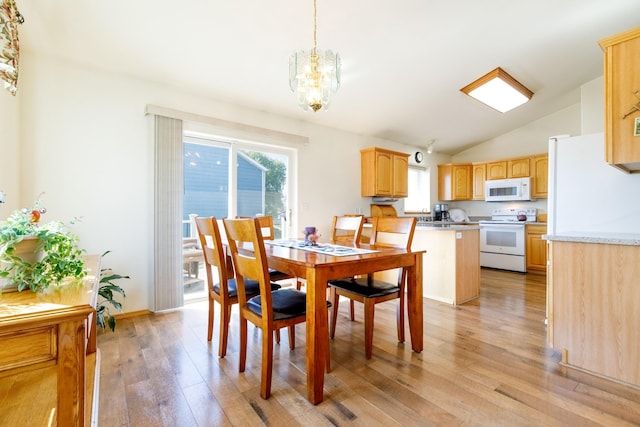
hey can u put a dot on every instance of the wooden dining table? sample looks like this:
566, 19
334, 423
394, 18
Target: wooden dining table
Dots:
318, 268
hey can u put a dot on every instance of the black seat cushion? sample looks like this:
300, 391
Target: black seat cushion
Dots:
278, 275
286, 302
378, 288
251, 287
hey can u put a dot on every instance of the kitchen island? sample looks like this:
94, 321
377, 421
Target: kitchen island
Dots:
592, 298
451, 265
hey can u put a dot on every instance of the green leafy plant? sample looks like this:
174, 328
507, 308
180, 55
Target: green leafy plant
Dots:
107, 290
61, 260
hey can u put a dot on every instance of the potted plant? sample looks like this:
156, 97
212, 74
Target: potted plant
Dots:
106, 291
35, 255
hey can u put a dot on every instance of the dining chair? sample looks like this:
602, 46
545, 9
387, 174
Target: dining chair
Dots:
268, 233
269, 311
346, 228
225, 290
395, 232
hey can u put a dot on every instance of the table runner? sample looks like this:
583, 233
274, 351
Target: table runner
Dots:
321, 248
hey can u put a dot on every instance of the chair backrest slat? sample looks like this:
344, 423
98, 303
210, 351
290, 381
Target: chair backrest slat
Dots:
213, 250
391, 231
347, 228
266, 226
246, 245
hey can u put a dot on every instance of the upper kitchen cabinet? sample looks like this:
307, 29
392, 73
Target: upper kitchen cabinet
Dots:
496, 170
384, 173
454, 182
622, 99
518, 168
540, 176
479, 176
511, 168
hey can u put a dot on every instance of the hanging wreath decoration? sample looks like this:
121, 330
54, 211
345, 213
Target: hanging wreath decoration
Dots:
9, 45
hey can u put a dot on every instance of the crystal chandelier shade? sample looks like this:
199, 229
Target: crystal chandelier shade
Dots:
314, 74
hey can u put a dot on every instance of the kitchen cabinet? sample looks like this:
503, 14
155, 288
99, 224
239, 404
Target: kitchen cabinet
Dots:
497, 170
536, 248
540, 176
479, 177
510, 168
592, 305
454, 182
622, 83
518, 168
384, 173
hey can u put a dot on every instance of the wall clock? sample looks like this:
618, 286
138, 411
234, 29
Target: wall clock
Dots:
419, 157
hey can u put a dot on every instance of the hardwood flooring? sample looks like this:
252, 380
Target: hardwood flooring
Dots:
485, 363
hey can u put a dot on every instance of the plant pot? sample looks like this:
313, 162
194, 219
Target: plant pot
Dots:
28, 250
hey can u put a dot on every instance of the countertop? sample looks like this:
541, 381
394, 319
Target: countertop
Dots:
632, 239
444, 225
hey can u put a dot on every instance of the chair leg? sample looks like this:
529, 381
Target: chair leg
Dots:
400, 314
334, 311
352, 308
243, 343
210, 328
369, 310
292, 337
276, 333
267, 365
298, 284
225, 317
327, 363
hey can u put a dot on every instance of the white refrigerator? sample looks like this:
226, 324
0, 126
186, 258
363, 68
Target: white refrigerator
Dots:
586, 194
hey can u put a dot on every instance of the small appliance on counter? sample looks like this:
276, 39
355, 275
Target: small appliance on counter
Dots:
441, 212
383, 210
458, 215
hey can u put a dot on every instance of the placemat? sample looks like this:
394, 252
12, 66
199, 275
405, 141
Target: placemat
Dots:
321, 248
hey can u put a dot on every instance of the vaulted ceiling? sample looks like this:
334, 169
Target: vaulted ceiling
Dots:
403, 61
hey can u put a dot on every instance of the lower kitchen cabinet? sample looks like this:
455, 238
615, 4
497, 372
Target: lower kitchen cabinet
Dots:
536, 248
592, 305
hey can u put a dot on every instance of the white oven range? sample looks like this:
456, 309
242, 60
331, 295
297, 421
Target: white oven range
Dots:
502, 239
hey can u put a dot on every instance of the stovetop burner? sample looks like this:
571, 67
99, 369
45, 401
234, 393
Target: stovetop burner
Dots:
510, 215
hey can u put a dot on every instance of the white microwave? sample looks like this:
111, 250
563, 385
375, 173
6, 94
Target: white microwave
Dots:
504, 190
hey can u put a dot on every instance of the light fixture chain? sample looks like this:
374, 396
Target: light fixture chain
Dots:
315, 23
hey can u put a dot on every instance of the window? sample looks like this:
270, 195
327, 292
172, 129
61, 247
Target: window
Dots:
419, 199
225, 179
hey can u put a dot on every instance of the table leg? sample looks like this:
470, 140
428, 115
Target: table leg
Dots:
414, 304
317, 334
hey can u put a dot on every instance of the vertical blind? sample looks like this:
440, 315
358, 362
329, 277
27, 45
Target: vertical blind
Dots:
167, 289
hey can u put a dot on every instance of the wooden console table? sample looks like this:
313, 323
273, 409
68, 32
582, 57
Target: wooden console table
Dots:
49, 364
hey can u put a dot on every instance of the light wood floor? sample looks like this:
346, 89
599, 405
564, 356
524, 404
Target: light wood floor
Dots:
485, 363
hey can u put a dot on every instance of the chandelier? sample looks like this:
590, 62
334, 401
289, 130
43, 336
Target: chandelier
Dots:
314, 74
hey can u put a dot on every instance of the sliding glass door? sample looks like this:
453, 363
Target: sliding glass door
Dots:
228, 179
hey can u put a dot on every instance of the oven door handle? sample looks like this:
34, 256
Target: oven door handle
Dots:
506, 228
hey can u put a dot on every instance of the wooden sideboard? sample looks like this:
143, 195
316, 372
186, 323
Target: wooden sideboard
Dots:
49, 364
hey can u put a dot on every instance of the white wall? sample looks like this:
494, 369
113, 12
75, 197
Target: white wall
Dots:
592, 106
9, 154
87, 144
